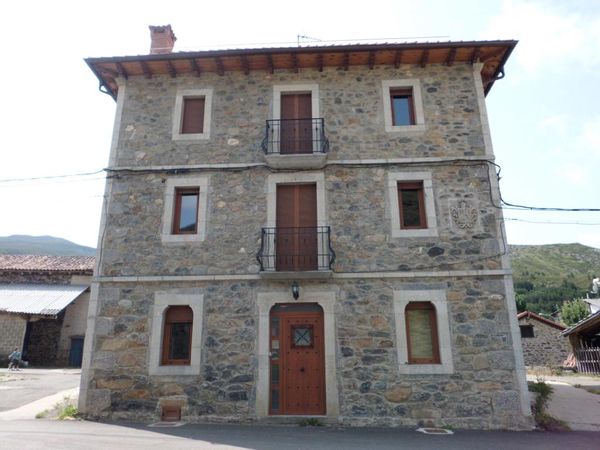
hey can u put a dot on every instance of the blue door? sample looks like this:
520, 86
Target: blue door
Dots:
76, 353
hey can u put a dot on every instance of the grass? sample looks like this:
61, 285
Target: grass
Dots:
64, 410
68, 412
544, 420
42, 415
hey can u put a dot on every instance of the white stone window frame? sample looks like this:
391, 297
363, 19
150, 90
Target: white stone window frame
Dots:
413, 83
300, 88
162, 300
200, 182
207, 94
437, 298
265, 302
393, 179
317, 178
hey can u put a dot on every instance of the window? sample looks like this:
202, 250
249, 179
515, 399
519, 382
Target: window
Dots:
526, 331
402, 105
192, 114
185, 213
177, 335
403, 108
185, 220
421, 333
411, 205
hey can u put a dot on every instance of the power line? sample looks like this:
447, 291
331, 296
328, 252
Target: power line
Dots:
549, 222
51, 177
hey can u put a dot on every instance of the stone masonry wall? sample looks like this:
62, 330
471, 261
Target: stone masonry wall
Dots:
481, 392
547, 348
12, 332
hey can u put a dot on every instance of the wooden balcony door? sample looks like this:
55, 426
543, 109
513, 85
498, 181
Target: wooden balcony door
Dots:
297, 348
296, 124
296, 232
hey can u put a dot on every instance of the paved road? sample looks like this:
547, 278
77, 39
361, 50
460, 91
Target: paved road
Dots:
28, 385
47, 434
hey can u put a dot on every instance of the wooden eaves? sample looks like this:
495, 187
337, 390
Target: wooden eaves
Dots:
493, 55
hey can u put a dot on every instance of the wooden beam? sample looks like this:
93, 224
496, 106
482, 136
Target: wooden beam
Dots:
424, 57
220, 69
371, 60
320, 62
146, 69
270, 67
195, 67
346, 60
398, 58
245, 65
451, 56
172, 70
475, 55
295, 62
122, 70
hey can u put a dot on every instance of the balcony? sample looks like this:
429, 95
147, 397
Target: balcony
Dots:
304, 252
295, 143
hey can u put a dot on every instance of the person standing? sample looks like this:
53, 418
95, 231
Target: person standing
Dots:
14, 359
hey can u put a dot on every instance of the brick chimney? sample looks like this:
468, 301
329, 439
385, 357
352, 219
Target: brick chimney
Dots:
162, 39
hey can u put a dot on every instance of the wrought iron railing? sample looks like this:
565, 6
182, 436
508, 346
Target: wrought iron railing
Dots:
295, 136
295, 249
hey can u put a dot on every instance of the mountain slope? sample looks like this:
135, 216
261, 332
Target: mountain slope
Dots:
42, 245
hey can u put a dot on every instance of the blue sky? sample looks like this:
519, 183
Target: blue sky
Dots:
544, 115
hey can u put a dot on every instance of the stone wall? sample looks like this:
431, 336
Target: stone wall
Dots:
12, 332
43, 341
35, 277
547, 348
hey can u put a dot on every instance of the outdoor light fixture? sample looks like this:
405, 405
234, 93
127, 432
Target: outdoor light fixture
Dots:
295, 290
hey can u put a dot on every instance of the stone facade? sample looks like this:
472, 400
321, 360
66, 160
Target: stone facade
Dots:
466, 261
547, 347
12, 332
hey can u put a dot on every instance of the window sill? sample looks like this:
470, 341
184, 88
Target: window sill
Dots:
175, 370
420, 232
181, 238
425, 369
297, 161
191, 137
420, 127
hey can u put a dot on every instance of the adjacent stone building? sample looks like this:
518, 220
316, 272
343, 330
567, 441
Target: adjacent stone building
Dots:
44, 302
543, 343
295, 232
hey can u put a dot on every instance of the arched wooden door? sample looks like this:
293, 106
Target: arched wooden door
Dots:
297, 368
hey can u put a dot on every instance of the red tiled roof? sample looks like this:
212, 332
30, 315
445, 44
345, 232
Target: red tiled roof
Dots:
46, 263
532, 315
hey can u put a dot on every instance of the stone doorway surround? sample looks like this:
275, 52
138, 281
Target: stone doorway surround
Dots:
265, 301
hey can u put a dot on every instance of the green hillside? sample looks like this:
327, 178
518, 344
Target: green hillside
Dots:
42, 245
546, 275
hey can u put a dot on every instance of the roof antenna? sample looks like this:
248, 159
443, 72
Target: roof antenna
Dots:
306, 38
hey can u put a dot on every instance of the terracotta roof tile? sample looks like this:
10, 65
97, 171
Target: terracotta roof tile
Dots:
46, 263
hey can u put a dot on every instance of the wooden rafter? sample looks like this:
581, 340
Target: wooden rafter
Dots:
122, 70
451, 56
171, 69
398, 58
219, 63
475, 55
295, 62
371, 60
270, 67
245, 66
424, 57
146, 69
346, 60
195, 67
320, 62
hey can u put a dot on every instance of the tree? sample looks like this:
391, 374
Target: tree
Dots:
521, 304
572, 312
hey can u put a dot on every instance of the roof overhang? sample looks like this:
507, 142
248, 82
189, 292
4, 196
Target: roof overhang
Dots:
589, 325
531, 315
493, 55
38, 299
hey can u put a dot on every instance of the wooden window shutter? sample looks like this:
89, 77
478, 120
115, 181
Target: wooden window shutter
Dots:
193, 115
411, 202
421, 333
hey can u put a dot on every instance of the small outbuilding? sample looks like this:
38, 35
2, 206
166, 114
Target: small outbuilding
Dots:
43, 307
543, 344
584, 338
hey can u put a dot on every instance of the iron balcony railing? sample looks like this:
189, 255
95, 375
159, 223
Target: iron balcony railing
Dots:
295, 136
295, 249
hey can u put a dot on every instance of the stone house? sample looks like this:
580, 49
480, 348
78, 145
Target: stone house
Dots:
44, 302
312, 231
543, 344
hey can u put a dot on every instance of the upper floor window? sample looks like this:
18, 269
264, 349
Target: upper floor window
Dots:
192, 114
185, 220
402, 105
185, 213
526, 331
177, 335
421, 333
412, 205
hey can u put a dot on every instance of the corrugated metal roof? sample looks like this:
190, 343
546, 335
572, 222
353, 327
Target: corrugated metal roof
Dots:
47, 263
592, 319
43, 299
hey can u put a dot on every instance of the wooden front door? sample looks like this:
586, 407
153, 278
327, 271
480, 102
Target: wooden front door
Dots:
296, 124
297, 372
296, 235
